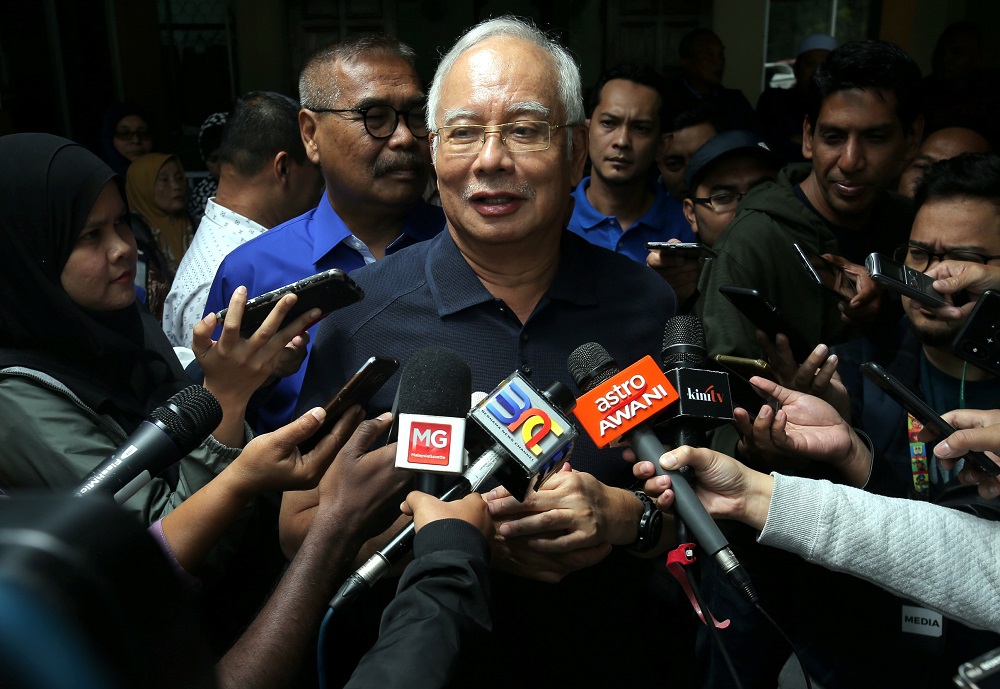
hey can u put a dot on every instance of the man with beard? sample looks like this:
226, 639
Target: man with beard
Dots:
958, 219
619, 206
362, 122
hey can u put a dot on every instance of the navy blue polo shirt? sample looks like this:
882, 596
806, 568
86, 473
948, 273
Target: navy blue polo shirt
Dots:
315, 241
428, 295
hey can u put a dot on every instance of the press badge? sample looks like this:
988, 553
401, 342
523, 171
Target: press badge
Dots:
922, 621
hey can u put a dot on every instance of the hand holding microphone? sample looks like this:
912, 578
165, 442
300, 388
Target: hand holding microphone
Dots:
624, 403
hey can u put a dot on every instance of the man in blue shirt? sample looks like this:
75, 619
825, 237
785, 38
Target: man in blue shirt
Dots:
619, 206
362, 122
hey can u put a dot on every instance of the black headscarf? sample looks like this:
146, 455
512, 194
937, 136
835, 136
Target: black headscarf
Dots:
109, 123
118, 362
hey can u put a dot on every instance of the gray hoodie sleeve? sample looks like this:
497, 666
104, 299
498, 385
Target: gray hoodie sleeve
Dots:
945, 559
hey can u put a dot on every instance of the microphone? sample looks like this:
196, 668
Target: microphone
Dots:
532, 440
705, 400
620, 403
432, 401
171, 432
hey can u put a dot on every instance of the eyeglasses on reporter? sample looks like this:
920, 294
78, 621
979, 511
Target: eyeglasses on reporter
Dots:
381, 121
723, 202
129, 134
919, 258
522, 136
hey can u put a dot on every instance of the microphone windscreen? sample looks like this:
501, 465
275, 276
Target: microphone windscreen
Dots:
590, 365
189, 417
436, 381
683, 342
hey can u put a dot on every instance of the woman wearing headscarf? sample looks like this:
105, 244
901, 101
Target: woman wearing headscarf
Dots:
157, 194
209, 142
125, 136
81, 365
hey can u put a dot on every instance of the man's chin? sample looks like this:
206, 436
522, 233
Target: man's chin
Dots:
936, 334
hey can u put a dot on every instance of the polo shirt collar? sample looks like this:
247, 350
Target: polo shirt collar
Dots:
455, 286
422, 222
588, 216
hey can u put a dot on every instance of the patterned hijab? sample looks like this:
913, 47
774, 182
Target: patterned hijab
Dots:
114, 361
173, 233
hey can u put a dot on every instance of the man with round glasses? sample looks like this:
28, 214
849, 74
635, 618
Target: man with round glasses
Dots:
510, 289
363, 122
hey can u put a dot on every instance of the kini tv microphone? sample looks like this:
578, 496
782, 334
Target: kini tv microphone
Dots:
620, 403
433, 398
704, 398
171, 432
532, 440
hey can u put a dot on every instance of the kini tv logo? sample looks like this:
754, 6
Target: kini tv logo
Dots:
709, 395
512, 408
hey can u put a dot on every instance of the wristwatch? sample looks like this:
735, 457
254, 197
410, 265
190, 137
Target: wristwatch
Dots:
650, 525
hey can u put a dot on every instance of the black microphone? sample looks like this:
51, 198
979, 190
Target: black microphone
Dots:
170, 433
435, 386
532, 441
595, 372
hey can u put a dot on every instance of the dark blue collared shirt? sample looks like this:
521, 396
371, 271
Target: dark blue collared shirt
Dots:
309, 244
664, 220
428, 295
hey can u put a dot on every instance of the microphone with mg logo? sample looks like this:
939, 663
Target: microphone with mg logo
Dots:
531, 438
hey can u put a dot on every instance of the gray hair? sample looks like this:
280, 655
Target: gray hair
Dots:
570, 88
317, 86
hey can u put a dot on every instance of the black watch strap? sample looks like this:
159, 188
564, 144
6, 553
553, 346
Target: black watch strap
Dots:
650, 525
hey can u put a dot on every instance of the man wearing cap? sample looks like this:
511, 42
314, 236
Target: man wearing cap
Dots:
781, 111
619, 206
862, 124
719, 175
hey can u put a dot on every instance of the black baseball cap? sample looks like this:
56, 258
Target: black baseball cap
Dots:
722, 145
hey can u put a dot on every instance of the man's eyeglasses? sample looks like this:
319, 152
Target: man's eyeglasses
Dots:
381, 120
129, 134
723, 202
919, 258
518, 137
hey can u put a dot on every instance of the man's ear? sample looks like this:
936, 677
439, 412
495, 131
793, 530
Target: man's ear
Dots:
807, 144
689, 215
914, 137
279, 167
308, 127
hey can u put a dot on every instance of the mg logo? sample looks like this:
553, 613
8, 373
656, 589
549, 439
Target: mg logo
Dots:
429, 443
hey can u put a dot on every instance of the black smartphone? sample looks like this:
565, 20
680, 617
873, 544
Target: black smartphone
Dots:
982, 672
328, 291
682, 249
909, 401
895, 276
767, 317
357, 390
978, 340
832, 278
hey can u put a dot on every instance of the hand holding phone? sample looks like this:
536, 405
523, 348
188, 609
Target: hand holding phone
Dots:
766, 316
681, 249
828, 274
328, 291
903, 280
921, 411
358, 390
